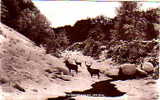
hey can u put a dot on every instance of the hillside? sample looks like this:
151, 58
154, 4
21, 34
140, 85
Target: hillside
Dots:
24, 64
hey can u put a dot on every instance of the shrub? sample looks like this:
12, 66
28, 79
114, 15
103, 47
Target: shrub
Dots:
131, 52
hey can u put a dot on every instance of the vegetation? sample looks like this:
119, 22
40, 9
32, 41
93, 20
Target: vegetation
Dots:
128, 37
122, 35
133, 52
24, 17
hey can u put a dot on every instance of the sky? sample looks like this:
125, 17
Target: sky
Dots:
61, 13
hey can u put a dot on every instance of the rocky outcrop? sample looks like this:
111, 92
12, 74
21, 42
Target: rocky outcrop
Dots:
135, 71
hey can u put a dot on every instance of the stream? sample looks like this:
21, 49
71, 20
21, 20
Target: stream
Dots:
99, 89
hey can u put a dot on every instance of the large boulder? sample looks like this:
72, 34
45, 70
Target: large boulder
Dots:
148, 67
128, 69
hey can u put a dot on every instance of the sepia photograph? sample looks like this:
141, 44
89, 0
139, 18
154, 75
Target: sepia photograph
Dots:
79, 50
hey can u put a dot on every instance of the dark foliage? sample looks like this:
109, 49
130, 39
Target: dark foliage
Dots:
132, 24
24, 17
61, 37
96, 28
79, 31
127, 36
132, 52
129, 24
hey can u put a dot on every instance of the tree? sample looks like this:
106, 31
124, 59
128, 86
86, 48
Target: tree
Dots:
153, 16
24, 17
133, 24
127, 7
80, 30
34, 25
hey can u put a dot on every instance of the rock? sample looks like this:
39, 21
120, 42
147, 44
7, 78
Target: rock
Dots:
148, 67
112, 72
128, 69
17, 86
141, 72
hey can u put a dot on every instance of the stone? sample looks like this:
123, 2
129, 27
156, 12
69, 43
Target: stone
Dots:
148, 67
17, 86
128, 69
141, 72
